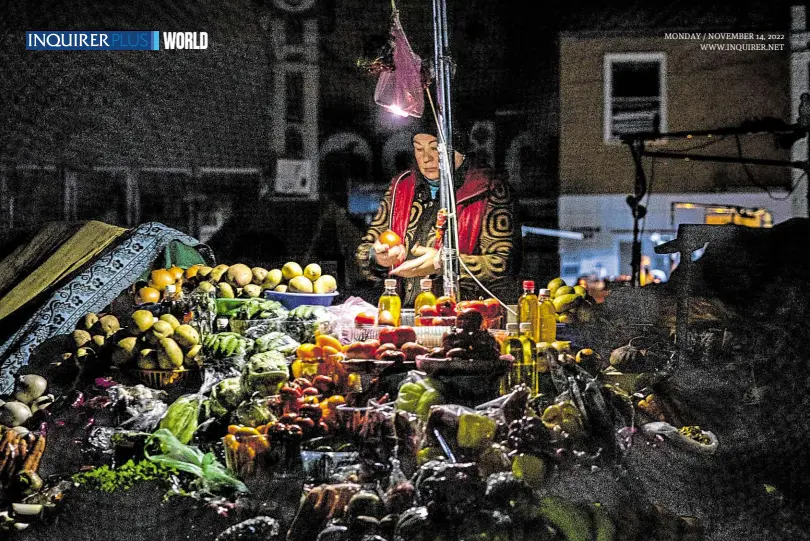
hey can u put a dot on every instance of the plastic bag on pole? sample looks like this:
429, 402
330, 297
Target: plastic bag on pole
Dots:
400, 91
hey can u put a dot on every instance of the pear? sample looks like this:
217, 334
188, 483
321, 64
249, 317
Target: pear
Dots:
81, 337
171, 320
259, 275
88, 321
554, 285
124, 351
171, 351
98, 340
109, 324
290, 270
300, 284
85, 354
161, 329
325, 284
192, 358
252, 290
280, 288
312, 271
142, 321
147, 359
225, 291
186, 336
207, 287
218, 272
204, 271
239, 275
274, 277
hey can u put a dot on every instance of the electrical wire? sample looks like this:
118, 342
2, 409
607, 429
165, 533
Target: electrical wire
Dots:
452, 197
763, 186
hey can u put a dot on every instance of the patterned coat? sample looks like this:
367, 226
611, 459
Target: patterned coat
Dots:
491, 260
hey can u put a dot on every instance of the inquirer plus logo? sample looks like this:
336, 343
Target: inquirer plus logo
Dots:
126, 40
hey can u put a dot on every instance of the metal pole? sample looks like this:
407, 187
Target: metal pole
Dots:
449, 256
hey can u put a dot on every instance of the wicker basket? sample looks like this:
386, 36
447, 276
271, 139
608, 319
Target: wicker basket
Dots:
160, 379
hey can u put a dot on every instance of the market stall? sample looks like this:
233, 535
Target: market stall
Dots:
231, 402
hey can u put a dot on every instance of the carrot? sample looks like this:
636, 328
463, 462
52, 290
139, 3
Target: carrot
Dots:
10, 455
21, 456
32, 462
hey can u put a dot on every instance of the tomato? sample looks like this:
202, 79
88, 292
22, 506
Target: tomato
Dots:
364, 318
428, 311
446, 306
426, 321
390, 238
493, 308
437, 322
478, 306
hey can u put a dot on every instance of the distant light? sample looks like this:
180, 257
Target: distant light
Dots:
396, 110
689, 136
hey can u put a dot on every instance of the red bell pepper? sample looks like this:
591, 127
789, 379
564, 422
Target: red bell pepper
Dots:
446, 306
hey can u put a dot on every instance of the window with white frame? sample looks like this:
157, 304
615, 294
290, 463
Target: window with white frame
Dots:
635, 94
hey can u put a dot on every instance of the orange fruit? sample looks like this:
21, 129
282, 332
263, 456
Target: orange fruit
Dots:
176, 272
191, 272
147, 295
390, 238
160, 279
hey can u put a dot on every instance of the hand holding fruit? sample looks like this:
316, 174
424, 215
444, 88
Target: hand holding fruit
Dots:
388, 249
425, 264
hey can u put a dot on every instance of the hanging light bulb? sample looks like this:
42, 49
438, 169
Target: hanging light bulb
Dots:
400, 90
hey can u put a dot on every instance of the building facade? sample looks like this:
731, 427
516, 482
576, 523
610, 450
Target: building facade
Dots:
615, 84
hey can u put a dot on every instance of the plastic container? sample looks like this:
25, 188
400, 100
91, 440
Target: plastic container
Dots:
294, 300
228, 306
256, 327
160, 379
248, 457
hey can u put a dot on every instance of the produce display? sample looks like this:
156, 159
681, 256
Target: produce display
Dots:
442, 446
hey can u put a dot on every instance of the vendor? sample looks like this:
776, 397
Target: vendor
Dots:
410, 207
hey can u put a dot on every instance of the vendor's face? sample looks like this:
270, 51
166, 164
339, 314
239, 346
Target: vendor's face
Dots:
426, 152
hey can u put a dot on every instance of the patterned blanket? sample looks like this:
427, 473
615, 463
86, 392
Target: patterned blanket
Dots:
93, 287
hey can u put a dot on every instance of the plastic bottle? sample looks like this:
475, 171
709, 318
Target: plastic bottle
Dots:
548, 317
529, 369
390, 302
425, 298
511, 345
529, 309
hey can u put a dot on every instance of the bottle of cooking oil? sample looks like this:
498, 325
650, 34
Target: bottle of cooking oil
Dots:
529, 309
529, 376
511, 345
425, 298
389, 304
548, 317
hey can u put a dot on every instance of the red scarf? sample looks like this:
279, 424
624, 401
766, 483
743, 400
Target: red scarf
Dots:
470, 206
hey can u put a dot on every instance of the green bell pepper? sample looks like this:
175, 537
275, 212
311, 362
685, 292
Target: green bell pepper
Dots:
417, 397
475, 431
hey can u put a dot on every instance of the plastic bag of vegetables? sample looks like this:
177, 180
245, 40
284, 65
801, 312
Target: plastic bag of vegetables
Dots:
182, 416
211, 476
